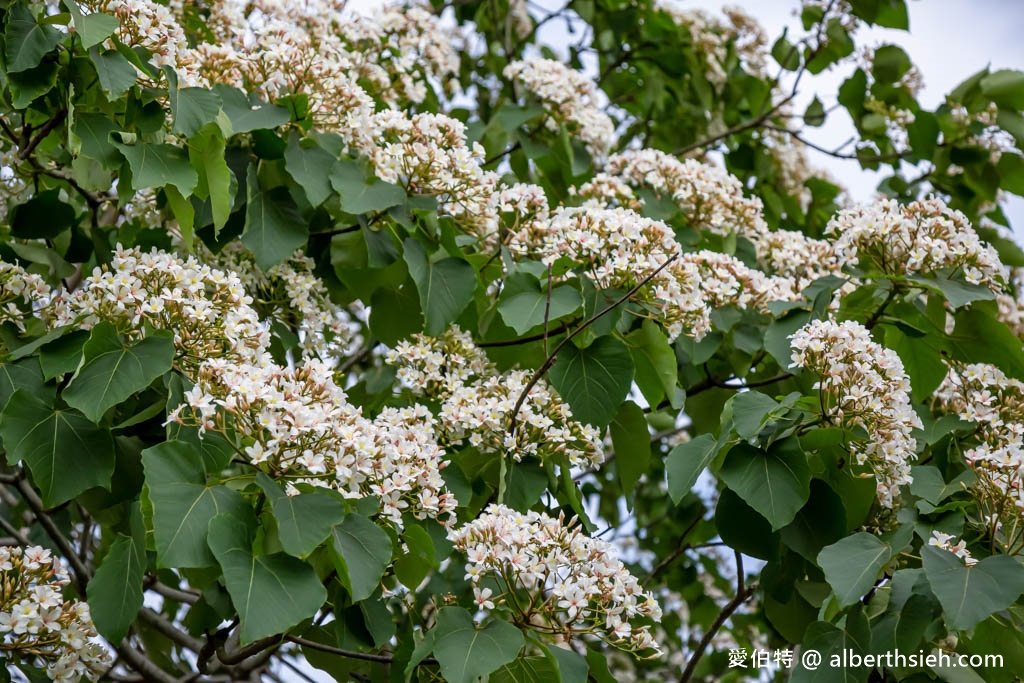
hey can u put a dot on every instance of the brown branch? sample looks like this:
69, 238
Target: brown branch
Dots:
550, 360
45, 130
743, 594
565, 327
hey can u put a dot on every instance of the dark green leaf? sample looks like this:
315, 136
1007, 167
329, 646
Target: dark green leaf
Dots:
183, 504
303, 521
466, 652
272, 593
206, 153
115, 591
156, 165
66, 453
751, 410
193, 108
632, 442
776, 483
593, 381
970, 594
42, 217
686, 462
92, 28
445, 287
853, 564
248, 114
362, 551
26, 39
116, 73
274, 229
524, 301
114, 371
310, 166
654, 361
358, 194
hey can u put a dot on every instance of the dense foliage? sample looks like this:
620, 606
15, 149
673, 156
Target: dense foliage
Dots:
398, 347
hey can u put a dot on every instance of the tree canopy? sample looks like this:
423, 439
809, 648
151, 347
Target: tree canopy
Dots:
413, 346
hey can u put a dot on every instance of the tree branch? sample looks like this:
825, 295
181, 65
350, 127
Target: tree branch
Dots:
550, 360
743, 593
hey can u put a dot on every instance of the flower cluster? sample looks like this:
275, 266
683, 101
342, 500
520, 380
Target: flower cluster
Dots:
299, 426
713, 38
21, 294
984, 395
146, 24
923, 237
710, 198
569, 100
37, 623
793, 167
291, 294
944, 541
863, 385
556, 579
208, 310
796, 260
619, 249
427, 154
477, 402
980, 129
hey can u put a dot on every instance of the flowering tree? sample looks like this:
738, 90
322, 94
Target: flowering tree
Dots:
405, 346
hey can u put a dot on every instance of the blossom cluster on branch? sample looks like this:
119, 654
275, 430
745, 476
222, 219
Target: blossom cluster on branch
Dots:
36, 622
477, 402
555, 579
862, 384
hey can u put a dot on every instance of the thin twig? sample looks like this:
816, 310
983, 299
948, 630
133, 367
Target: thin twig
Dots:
743, 593
550, 360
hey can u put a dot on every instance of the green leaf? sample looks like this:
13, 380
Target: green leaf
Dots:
25, 375
27, 86
594, 380
274, 229
246, 113
362, 551
775, 482
155, 165
534, 669
751, 410
685, 463
524, 301
193, 109
183, 504
303, 521
970, 594
310, 166
654, 361
829, 641
114, 371
116, 73
358, 194
272, 593
1005, 88
786, 54
206, 153
743, 529
853, 564
466, 652
26, 40
63, 355
413, 566
814, 115
889, 64
66, 453
115, 591
94, 28
42, 217
445, 287
632, 442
